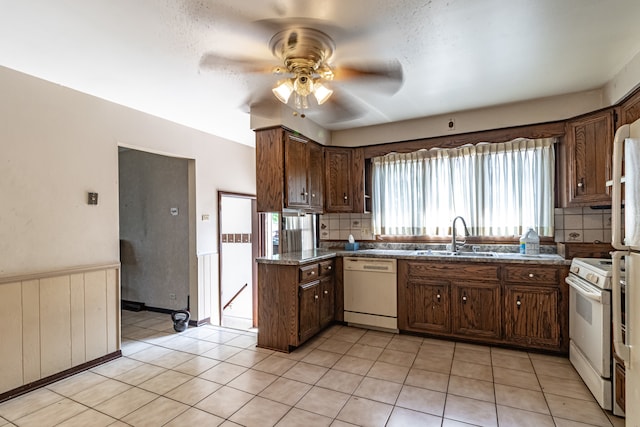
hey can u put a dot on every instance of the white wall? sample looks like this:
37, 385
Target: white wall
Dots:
58, 144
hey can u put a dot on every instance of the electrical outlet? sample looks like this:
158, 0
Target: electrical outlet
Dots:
172, 296
451, 124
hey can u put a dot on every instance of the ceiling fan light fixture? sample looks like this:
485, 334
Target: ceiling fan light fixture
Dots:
300, 101
283, 90
322, 93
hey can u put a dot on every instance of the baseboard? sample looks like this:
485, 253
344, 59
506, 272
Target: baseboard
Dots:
132, 305
201, 322
59, 376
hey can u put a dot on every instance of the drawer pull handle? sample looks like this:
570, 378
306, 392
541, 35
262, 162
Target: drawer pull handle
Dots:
531, 275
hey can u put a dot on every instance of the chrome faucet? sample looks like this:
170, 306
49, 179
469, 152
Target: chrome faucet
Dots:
454, 243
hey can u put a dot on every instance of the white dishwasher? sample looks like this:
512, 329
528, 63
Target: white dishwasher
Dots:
370, 294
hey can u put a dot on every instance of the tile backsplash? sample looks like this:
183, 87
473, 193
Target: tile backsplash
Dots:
339, 226
582, 225
571, 225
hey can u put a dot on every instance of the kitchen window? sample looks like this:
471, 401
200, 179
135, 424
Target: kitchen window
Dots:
500, 189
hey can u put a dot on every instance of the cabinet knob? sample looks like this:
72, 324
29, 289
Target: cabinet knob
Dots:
313, 194
531, 275
315, 296
345, 196
311, 273
438, 296
326, 292
518, 302
581, 183
329, 268
464, 299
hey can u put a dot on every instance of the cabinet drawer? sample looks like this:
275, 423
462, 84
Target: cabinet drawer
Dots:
454, 270
531, 274
326, 268
308, 272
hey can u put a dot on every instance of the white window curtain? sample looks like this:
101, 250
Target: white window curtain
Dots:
500, 189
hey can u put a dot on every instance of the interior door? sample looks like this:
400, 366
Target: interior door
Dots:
237, 244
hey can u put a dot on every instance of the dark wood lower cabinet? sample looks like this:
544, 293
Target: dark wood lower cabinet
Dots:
532, 315
428, 305
476, 309
520, 305
309, 312
294, 302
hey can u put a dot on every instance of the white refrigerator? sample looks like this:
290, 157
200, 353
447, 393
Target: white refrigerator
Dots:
626, 242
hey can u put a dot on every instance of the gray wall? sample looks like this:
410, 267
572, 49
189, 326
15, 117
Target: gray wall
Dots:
154, 244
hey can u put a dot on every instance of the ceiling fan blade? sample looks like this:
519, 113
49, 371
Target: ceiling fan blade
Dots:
340, 108
217, 62
388, 75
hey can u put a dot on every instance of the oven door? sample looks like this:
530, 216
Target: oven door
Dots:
590, 323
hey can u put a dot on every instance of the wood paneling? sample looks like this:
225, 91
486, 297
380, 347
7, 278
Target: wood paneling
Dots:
11, 347
56, 321
55, 325
78, 343
95, 291
31, 330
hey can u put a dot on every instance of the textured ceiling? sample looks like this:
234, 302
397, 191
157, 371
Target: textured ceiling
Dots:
455, 55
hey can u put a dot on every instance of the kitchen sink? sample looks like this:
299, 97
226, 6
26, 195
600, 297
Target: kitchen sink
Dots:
474, 254
456, 254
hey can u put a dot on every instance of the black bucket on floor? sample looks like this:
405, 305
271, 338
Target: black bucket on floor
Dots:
180, 320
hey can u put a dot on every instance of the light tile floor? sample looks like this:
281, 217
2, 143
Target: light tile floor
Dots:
345, 376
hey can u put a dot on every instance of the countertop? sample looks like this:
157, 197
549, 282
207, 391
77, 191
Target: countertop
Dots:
298, 258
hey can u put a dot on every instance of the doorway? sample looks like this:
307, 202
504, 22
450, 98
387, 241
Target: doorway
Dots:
239, 243
156, 238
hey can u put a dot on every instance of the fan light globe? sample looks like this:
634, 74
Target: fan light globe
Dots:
322, 93
283, 90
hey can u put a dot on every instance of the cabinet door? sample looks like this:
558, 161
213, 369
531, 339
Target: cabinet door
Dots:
296, 165
476, 309
589, 147
309, 310
327, 301
428, 305
630, 110
338, 194
316, 177
532, 315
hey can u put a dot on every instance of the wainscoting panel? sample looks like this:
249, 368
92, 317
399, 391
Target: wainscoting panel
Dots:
31, 330
11, 348
55, 321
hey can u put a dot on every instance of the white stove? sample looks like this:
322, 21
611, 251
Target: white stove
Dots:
590, 325
596, 271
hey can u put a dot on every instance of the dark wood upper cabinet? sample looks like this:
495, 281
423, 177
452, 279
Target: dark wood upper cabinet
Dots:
296, 167
587, 153
316, 177
630, 110
289, 172
344, 180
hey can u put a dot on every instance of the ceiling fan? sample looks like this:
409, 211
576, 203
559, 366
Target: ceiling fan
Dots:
306, 77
